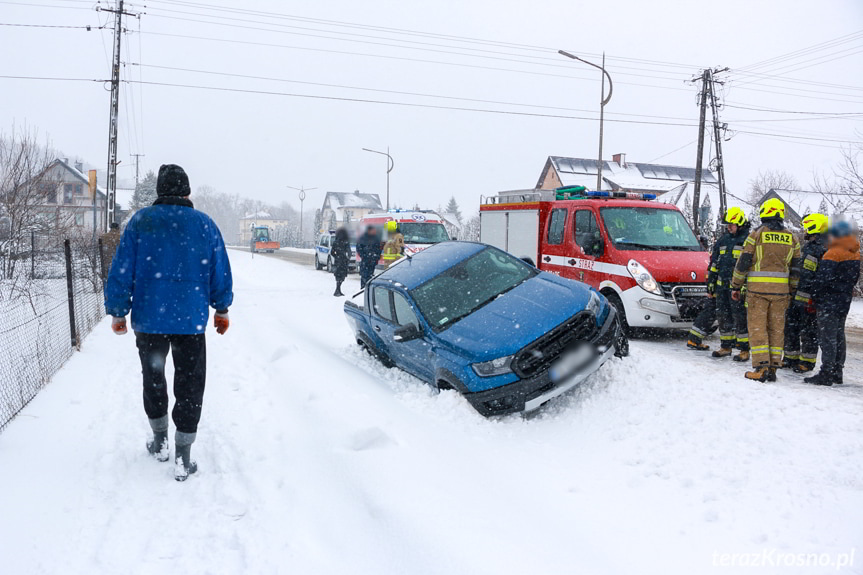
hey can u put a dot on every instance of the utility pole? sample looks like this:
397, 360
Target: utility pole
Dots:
111, 189
717, 140
137, 166
696, 195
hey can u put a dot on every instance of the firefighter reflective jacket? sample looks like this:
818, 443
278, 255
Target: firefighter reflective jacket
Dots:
770, 263
726, 251
812, 251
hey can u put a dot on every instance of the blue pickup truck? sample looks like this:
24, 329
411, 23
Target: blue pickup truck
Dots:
470, 317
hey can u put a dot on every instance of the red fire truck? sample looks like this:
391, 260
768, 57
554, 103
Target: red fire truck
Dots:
642, 255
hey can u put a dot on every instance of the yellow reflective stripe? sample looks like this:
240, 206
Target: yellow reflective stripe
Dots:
713, 269
742, 339
810, 263
776, 350
759, 255
719, 282
760, 348
739, 276
727, 337
768, 280
722, 250
749, 241
736, 253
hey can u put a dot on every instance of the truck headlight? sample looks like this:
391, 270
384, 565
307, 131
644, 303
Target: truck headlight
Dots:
643, 277
497, 366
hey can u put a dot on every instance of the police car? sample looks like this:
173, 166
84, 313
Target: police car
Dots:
323, 260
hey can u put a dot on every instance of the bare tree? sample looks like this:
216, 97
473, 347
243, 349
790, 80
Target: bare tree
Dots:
770, 180
26, 186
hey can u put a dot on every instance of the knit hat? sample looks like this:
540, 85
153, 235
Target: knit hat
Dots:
172, 181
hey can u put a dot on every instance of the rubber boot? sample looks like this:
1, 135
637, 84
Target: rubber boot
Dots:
692, 344
771, 374
157, 447
758, 374
338, 292
722, 352
184, 466
804, 367
788, 362
821, 378
742, 356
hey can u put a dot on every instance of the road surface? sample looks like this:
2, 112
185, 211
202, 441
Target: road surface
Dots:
301, 258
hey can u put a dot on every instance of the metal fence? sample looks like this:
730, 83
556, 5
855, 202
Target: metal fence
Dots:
50, 299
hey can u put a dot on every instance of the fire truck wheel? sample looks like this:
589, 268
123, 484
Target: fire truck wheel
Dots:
614, 300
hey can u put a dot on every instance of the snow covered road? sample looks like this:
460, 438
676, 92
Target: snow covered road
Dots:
315, 459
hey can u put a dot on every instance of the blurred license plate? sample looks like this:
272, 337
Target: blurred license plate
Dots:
573, 360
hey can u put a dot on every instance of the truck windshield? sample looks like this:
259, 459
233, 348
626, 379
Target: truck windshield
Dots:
469, 285
423, 233
648, 229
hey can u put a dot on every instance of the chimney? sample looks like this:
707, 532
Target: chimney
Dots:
79, 166
619, 159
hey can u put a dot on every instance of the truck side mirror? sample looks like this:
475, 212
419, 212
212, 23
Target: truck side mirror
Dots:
407, 333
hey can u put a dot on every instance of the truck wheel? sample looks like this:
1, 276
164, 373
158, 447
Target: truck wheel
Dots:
621, 342
385, 361
614, 300
318, 265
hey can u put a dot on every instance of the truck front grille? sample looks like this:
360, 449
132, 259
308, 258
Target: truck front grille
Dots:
540, 354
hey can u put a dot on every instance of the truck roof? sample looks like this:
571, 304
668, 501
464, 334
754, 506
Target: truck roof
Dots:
530, 199
405, 216
435, 259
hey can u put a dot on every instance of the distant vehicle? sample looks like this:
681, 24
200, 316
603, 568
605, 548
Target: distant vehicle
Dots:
419, 228
471, 317
260, 241
323, 260
641, 255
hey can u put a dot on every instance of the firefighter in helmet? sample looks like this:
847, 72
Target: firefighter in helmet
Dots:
730, 313
395, 246
770, 267
801, 326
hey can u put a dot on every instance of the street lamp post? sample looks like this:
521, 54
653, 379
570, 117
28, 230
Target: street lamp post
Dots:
302, 195
390, 165
603, 101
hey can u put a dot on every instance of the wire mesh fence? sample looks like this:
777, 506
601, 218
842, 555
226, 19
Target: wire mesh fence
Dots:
50, 299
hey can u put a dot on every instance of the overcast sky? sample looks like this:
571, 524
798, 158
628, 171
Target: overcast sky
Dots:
258, 144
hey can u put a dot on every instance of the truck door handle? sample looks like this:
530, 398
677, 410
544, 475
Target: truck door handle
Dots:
377, 328
546, 259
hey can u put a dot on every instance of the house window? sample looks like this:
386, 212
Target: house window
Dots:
51, 195
79, 190
68, 193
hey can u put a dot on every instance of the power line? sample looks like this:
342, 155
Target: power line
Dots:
807, 50
88, 28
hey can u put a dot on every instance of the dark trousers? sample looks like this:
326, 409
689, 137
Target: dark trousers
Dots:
366, 272
831, 335
189, 353
732, 321
801, 335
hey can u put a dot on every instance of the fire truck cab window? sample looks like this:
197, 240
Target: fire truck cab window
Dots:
586, 229
556, 227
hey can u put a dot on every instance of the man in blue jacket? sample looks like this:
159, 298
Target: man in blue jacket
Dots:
171, 266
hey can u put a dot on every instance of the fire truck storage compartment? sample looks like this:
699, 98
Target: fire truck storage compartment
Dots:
514, 231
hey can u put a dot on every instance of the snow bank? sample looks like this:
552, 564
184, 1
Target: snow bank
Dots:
316, 459
855, 316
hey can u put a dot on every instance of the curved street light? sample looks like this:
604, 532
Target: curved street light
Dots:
603, 101
302, 196
390, 165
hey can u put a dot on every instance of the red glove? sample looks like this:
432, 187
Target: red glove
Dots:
735, 295
810, 306
221, 322
118, 324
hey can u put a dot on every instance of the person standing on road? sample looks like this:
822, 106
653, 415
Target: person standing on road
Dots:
395, 246
801, 326
369, 250
832, 289
769, 266
731, 313
341, 254
170, 266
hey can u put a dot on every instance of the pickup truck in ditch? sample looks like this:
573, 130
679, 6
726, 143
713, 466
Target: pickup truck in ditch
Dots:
473, 318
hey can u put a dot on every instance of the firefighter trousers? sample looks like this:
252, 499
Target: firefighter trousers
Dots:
732, 321
766, 318
801, 335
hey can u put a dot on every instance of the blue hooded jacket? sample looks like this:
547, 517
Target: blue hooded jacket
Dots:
170, 266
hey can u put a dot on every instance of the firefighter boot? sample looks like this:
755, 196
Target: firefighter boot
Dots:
788, 362
722, 352
742, 356
692, 344
758, 373
771, 374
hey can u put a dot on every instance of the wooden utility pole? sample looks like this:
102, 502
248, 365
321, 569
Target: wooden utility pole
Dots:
696, 195
717, 141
